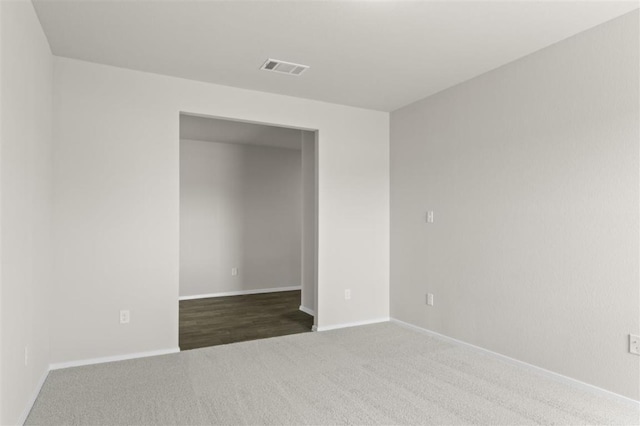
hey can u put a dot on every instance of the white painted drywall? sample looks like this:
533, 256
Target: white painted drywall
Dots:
309, 240
25, 212
238, 132
240, 207
116, 213
532, 172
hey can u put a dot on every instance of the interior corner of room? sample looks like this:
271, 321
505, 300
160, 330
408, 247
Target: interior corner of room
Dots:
454, 211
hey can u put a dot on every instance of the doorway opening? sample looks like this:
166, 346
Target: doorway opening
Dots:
248, 231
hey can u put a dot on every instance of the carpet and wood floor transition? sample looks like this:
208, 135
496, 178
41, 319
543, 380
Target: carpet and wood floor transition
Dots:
221, 320
376, 374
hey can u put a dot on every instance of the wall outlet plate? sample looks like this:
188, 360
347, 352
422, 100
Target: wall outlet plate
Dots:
124, 317
347, 294
634, 344
430, 299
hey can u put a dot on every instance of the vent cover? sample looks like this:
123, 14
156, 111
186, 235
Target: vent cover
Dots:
284, 67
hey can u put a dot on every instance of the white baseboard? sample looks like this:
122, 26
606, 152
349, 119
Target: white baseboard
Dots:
308, 311
91, 361
32, 400
547, 373
352, 324
241, 292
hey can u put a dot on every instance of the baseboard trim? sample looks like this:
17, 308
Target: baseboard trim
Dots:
307, 311
32, 400
241, 292
91, 361
352, 324
547, 373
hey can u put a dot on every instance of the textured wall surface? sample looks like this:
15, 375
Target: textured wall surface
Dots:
116, 215
25, 207
532, 171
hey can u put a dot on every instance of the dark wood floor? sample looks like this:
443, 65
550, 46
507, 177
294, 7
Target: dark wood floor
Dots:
221, 320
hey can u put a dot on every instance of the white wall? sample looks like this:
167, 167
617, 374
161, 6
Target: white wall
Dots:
309, 228
116, 210
240, 207
25, 207
532, 171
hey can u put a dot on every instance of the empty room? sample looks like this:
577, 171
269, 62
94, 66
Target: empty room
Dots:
247, 194
319, 212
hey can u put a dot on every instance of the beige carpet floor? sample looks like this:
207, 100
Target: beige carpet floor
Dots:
377, 374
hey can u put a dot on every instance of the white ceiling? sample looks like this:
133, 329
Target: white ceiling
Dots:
228, 131
373, 54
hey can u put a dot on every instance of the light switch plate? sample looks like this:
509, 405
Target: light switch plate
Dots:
430, 299
634, 344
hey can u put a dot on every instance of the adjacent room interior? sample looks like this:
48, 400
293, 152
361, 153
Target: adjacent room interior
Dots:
247, 231
446, 193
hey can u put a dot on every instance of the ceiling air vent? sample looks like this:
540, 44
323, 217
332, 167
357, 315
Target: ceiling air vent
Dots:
283, 67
